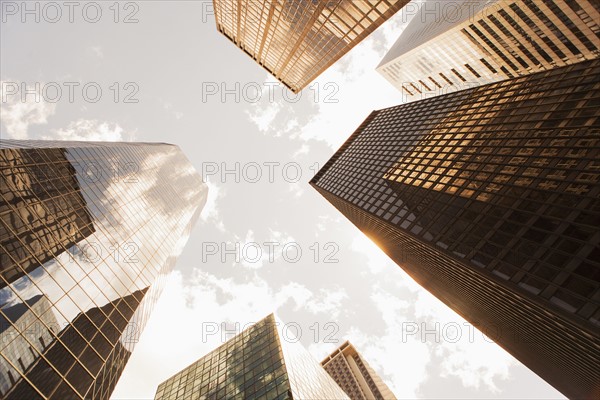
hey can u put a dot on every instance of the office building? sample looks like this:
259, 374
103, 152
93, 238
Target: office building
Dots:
261, 362
49, 217
450, 46
489, 198
295, 41
354, 375
89, 232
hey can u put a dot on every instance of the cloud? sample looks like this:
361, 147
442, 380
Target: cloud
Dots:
328, 301
120, 239
210, 212
254, 253
188, 312
169, 107
432, 339
97, 51
330, 108
91, 130
264, 117
17, 115
384, 351
278, 112
473, 358
341, 92
377, 260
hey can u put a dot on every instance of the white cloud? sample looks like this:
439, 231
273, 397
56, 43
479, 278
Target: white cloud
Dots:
264, 112
474, 358
210, 212
169, 107
328, 301
91, 130
255, 253
187, 313
336, 97
184, 317
97, 51
402, 364
377, 260
17, 115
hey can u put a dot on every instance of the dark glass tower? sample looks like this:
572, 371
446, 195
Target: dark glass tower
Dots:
490, 199
258, 363
88, 232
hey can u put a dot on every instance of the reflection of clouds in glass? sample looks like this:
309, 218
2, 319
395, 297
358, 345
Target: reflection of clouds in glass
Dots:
144, 204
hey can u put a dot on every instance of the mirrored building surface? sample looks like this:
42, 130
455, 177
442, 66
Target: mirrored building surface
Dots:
454, 45
88, 233
490, 199
258, 363
355, 376
296, 40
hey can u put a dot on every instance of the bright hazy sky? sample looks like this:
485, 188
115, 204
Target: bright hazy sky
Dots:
172, 61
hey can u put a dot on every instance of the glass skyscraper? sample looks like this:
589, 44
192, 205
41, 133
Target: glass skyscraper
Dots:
490, 199
296, 40
455, 45
355, 376
258, 363
88, 233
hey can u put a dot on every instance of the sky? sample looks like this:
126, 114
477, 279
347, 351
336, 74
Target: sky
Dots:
158, 71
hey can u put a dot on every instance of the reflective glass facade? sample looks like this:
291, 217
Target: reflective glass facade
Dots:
451, 46
258, 363
297, 40
489, 198
355, 376
88, 233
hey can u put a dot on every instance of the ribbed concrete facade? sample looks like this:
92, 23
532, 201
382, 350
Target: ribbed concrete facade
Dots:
355, 376
455, 45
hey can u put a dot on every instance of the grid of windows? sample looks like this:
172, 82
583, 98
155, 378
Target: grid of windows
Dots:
475, 43
504, 178
297, 40
90, 230
47, 210
256, 364
340, 371
250, 365
355, 376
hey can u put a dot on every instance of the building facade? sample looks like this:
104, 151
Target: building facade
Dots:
355, 376
295, 41
89, 231
450, 46
258, 363
489, 198
50, 216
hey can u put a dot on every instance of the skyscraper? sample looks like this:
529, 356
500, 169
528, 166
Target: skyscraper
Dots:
261, 362
450, 46
354, 375
297, 40
88, 232
489, 198
48, 217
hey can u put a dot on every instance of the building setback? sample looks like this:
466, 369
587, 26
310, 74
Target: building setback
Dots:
451, 46
490, 199
295, 41
258, 363
88, 232
355, 376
